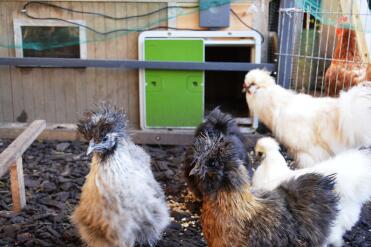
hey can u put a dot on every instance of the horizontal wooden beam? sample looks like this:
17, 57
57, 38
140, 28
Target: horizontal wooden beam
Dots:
16, 149
67, 132
163, 137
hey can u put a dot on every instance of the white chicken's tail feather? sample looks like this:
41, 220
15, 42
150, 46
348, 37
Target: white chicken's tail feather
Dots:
355, 115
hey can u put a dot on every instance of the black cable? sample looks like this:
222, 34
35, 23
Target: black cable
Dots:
108, 32
247, 25
25, 12
103, 15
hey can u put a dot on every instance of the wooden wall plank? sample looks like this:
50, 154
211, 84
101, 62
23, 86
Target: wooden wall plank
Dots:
110, 47
48, 84
27, 86
59, 76
133, 76
6, 100
122, 83
3, 52
90, 73
38, 89
100, 53
69, 86
26, 78
36, 74
80, 75
16, 76
49, 95
163, 15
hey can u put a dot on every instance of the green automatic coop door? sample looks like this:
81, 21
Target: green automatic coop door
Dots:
174, 98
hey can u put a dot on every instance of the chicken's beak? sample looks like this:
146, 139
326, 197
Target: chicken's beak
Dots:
91, 147
199, 169
244, 90
195, 169
259, 156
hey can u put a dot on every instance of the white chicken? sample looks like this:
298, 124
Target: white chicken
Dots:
273, 168
353, 180
312, 129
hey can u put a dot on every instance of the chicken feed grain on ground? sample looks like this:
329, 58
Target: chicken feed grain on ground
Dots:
54, 174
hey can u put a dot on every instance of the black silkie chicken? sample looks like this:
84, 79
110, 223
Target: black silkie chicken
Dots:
217, 123
121, 203
299, 212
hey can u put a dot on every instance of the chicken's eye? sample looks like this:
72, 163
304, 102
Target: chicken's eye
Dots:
105, 139
260, 153
213, 164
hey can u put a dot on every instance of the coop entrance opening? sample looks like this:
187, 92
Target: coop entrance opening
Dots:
223, 88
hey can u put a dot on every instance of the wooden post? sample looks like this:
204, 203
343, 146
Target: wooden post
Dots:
17, 185
16, 149
11, 159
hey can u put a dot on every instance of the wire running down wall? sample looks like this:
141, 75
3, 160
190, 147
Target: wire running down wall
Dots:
60, 95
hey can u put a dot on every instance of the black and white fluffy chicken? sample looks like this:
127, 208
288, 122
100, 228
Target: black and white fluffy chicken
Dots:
353, 183
121, 203
299, 212
217, 123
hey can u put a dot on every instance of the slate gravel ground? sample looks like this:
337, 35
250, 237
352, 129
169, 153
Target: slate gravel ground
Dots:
54, 173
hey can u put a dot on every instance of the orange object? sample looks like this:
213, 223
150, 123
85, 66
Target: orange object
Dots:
346, 69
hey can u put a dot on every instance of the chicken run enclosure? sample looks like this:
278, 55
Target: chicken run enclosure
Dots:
167, 64
324, 46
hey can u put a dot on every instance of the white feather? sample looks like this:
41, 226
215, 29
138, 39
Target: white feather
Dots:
312, 129
125, 179
353, 181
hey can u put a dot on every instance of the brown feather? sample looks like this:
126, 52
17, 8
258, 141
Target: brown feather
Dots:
94, 227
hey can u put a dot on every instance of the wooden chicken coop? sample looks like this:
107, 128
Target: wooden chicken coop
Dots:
80, 44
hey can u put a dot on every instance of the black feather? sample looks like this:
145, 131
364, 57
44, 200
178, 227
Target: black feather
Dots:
105, 119
300, 212
216, 125
366, 149
219, 165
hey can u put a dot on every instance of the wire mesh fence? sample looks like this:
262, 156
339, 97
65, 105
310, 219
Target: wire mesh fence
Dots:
324, 46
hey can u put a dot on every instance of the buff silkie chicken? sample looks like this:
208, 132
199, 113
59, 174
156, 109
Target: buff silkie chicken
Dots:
121, 203
312, 129
299, 212
352, 185
346, 69
216, 123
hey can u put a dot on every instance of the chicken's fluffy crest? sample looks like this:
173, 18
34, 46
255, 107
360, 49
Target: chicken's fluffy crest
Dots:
266, 144
259, 77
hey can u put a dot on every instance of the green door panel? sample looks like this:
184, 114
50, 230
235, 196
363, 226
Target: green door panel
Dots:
174, 98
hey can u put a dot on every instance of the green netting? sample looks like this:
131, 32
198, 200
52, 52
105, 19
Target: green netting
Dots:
328, 12
55, 39
62, 40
